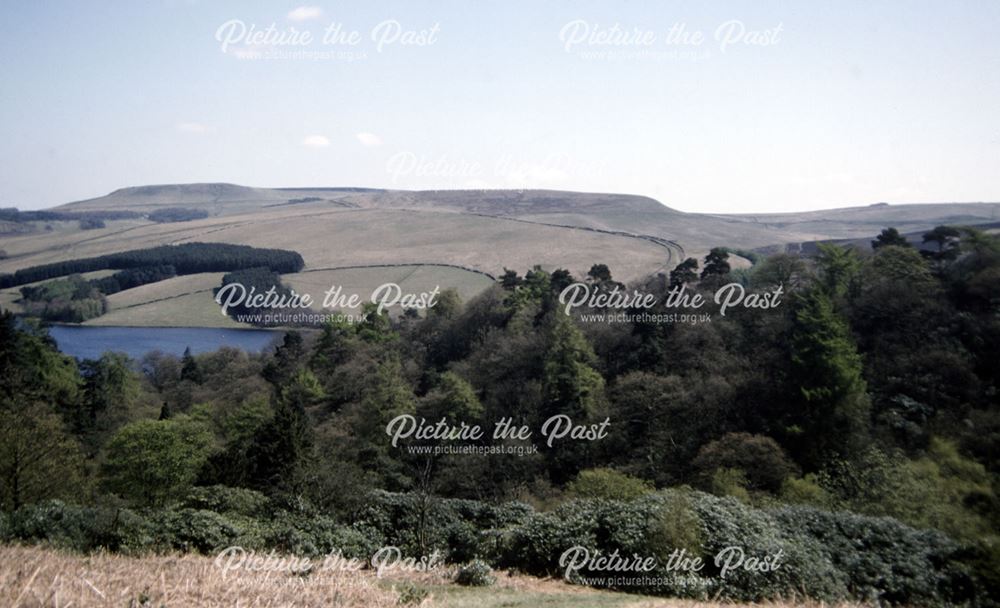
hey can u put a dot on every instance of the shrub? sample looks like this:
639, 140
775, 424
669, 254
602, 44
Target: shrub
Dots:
461, 529
730, 482
476, 573
78, 528
223, 499
675, 526
194, 530
883, 560
805, 490
762, 460
826, 556
411, 595
608, 483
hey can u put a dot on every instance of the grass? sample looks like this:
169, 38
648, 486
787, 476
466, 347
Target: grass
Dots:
187, 301
363, 281
34, 576
184, 301
354, 237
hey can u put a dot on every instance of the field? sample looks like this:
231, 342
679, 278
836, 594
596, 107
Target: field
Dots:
366, 237
363, 281
468, 236
31, 576
187, 301
9, 297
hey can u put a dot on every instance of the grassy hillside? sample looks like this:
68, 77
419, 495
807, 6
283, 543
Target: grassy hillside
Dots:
483, 232
186, 301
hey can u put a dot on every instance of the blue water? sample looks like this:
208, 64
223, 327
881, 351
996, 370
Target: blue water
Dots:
92, 342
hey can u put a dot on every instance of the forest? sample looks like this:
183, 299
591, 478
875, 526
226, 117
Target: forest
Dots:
186, 258
12, 214
854, 429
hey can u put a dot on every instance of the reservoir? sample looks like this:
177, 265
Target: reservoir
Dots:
92, 342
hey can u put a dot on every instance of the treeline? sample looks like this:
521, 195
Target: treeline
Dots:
260, 281
69, 300
132, 277
177, 214
94, 219
74, 299
187, 258
12, 214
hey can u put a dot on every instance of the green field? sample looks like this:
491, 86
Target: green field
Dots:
187, 301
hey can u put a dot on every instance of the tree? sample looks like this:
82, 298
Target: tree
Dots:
375, 326
453, 398
716, 263
832, 416
683, 273
286, 361
38, 459
947, 240
280, 448
599, 273
561, 279
111, 388
447, 305
570, 387
838, 268
509, 279
385, 395
32, 369
890, 237
760, 458
780, 269
189, 368
151, 461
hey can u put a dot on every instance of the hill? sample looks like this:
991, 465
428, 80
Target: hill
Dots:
476, 233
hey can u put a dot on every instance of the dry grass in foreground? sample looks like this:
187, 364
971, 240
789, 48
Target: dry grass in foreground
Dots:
32, 576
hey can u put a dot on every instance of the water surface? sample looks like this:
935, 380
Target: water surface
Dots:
92, 342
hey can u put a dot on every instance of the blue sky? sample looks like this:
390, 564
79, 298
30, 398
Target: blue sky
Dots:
810, 105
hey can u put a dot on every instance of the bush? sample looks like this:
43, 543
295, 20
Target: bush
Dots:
608, 483
460, 529
317, 536
475, 574
762, 460
826, 556
883, 560
223, 499
411, 595
194, 530
730, 482
78, 528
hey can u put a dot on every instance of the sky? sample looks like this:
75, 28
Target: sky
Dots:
739, 106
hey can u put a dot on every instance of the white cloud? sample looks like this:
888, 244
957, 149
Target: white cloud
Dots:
193, 127
369, 140
315, 141
304, 13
